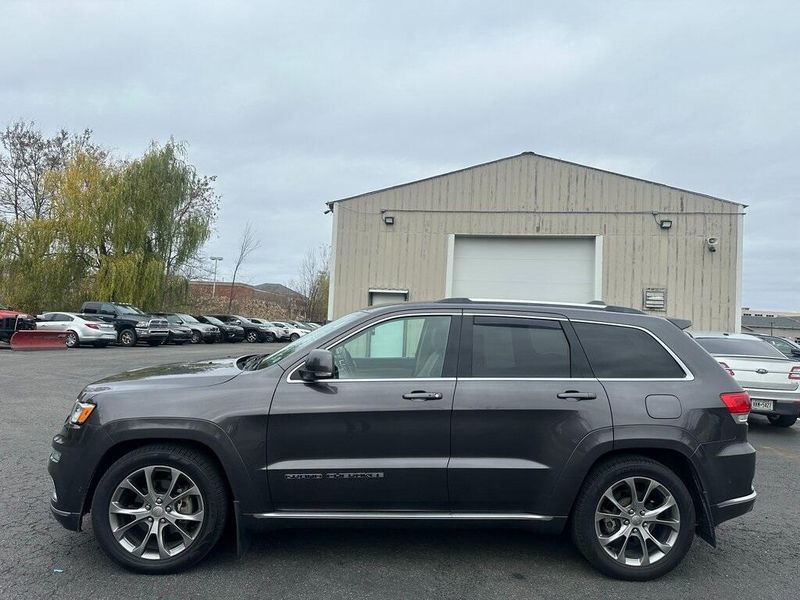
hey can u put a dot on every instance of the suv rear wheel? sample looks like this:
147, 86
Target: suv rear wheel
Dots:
634, 519
160, 508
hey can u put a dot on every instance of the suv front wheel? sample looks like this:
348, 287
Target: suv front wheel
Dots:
160, 508
634, 519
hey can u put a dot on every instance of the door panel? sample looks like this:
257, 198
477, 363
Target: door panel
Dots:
359, 445
525, 400
377, 435
512, 438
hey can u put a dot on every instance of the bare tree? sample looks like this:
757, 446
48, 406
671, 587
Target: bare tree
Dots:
247, 245
312, 283
26, 156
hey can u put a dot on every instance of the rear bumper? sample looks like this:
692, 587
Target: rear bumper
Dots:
785, 402
735, 507
99, 336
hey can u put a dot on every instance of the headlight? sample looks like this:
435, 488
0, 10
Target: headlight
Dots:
80, 412
142, 325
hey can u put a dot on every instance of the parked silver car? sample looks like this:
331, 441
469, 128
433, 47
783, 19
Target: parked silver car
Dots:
771, 379
81, 329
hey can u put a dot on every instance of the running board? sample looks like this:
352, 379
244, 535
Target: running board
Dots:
285, 514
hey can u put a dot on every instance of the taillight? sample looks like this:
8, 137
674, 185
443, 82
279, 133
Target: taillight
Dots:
738, 404
794, 373
93, 326
728, 369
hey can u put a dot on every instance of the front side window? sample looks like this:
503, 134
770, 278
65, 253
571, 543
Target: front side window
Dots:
406, 348
617, 352
519, 348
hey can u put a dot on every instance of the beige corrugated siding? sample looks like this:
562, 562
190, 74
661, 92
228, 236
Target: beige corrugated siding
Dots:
530, 195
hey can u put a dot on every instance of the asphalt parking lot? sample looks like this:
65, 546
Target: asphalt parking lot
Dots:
758, 555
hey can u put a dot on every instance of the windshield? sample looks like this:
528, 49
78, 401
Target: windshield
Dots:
739, 347
214, 321
127, 309
188, 318
308, 340
175, 319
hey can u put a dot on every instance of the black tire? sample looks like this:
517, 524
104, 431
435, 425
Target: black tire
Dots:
294, 337
210, 340
72, 341
602, 477
197, 337
127, 338
269, 337
781, 420
203, 471
251, 336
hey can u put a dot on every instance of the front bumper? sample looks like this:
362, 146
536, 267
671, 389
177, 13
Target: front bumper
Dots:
73, 459
152, 334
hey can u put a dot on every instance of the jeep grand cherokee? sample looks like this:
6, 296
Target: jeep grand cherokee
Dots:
613, 424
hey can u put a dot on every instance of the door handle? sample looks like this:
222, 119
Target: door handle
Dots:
573, 395
419, 396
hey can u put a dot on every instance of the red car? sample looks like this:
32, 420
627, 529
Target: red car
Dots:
11, 321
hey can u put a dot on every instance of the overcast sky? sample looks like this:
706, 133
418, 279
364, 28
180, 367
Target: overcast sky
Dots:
292, 104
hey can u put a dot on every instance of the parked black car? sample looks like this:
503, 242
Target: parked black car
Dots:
613, 424
787, 347
230, 333
201, 332
253, 332
132, 324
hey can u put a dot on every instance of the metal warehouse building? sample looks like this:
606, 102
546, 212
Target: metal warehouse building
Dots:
533, 227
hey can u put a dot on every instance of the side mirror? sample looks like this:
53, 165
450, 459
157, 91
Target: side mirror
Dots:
318, 365
795, 352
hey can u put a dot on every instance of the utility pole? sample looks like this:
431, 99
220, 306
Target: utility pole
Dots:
216, 260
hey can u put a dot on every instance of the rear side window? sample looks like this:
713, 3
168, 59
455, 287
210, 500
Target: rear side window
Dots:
513, 347
739, 347
617, 352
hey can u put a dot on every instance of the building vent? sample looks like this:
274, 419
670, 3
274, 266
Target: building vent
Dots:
655, 299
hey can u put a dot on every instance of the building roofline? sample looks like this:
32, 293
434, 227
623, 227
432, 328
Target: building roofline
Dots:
528, 153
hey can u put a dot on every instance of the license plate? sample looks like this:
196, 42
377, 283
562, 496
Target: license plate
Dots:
762, 404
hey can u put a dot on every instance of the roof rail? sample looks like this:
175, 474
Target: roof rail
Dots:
593, 305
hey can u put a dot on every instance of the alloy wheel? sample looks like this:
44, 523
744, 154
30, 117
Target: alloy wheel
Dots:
637, 521
72, 339
156, 512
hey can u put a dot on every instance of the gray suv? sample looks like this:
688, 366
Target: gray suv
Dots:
614, 425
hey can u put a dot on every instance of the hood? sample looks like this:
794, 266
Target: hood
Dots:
178, 375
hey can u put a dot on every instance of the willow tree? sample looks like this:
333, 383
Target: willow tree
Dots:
134, 225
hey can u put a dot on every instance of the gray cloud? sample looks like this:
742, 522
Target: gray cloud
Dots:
294, 105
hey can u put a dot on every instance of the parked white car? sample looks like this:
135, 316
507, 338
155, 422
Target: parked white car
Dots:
293, 332
81, 329
771, 379
272, 333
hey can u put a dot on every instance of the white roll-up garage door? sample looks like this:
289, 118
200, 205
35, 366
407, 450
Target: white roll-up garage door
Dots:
546, 269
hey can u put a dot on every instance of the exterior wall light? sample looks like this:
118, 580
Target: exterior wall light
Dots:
665, 223
388, 219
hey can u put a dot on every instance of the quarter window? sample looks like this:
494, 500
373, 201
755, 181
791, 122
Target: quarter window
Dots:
512, 347
626, 353
412, 347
